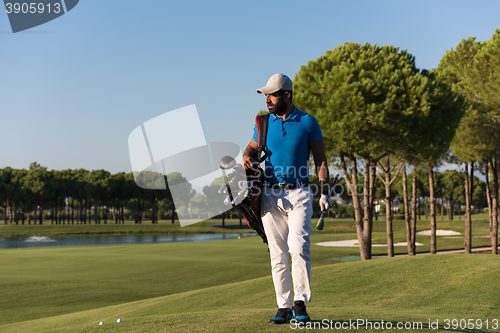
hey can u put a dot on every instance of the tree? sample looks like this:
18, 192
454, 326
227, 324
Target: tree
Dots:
151, 181
38, 181
473, 70
6, 190
215, 200
453, 188
466, 142
368, 100
198, 203
182, 194
97, 187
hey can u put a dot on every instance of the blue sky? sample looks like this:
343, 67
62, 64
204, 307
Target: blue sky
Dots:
73, 89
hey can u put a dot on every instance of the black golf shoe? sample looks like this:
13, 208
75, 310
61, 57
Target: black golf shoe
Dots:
300, 313
282, 317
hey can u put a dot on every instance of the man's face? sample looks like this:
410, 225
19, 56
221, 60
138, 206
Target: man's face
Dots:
276, 103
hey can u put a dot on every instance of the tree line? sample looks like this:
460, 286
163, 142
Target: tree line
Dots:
82, 196
380, 114
79, 196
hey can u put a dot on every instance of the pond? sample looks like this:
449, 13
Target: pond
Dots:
42, 241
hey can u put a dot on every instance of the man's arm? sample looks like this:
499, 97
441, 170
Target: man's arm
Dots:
319, 155
247, 161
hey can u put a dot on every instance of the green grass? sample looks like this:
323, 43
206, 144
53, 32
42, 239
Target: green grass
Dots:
40, 282
164, 227
414, 289
225, 286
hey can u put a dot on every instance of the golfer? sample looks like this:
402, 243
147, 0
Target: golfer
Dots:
287, 196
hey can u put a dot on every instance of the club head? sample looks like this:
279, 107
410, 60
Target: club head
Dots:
237, 167
227, 162
321, 222
222, 189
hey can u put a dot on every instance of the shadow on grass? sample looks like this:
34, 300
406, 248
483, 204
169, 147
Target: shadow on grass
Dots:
378, 325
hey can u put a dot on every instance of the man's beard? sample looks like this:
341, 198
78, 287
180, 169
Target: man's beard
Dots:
279, 108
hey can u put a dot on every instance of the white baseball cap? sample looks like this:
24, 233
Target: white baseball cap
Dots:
275, 83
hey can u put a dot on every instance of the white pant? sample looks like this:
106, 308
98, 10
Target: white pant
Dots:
287, 222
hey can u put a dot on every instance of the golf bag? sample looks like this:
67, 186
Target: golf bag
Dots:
250, 207
248, 201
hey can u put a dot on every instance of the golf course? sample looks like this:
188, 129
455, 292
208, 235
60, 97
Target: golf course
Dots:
226, 286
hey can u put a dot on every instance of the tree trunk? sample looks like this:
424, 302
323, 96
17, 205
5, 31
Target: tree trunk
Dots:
419, 208
494, 208
413, 215
63, 211
10, 213
95, 211
432, 211
368, 203
471, 188
388, 209
488, 193
173, 212
407, 212
467, 228
388, 201
363, 232
153, 218
80, 212
34, 213
442, 209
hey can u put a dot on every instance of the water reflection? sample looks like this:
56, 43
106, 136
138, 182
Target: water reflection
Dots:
43, 241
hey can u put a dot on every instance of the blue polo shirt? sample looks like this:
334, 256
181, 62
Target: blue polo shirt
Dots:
288, 146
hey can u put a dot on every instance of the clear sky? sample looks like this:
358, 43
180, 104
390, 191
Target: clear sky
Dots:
73, 89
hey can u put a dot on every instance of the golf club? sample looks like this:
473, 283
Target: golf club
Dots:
237, 167
321, 222
222, 189
227, 162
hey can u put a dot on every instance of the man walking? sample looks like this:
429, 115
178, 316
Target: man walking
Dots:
287, 197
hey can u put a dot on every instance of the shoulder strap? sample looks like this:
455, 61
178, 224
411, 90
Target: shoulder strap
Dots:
262, 125
263, 122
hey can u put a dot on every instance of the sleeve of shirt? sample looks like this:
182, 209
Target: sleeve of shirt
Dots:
255, 134
314, 130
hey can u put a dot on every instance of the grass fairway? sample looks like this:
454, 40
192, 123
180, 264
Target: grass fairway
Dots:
406, 289
225, 286
41, 282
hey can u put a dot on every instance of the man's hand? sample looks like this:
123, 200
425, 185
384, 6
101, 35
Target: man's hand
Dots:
248, 162
325, 203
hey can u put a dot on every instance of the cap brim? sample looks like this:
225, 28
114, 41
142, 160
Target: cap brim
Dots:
267, 90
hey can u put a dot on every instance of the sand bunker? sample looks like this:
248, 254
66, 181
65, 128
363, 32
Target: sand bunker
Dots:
438, 233
354, 243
